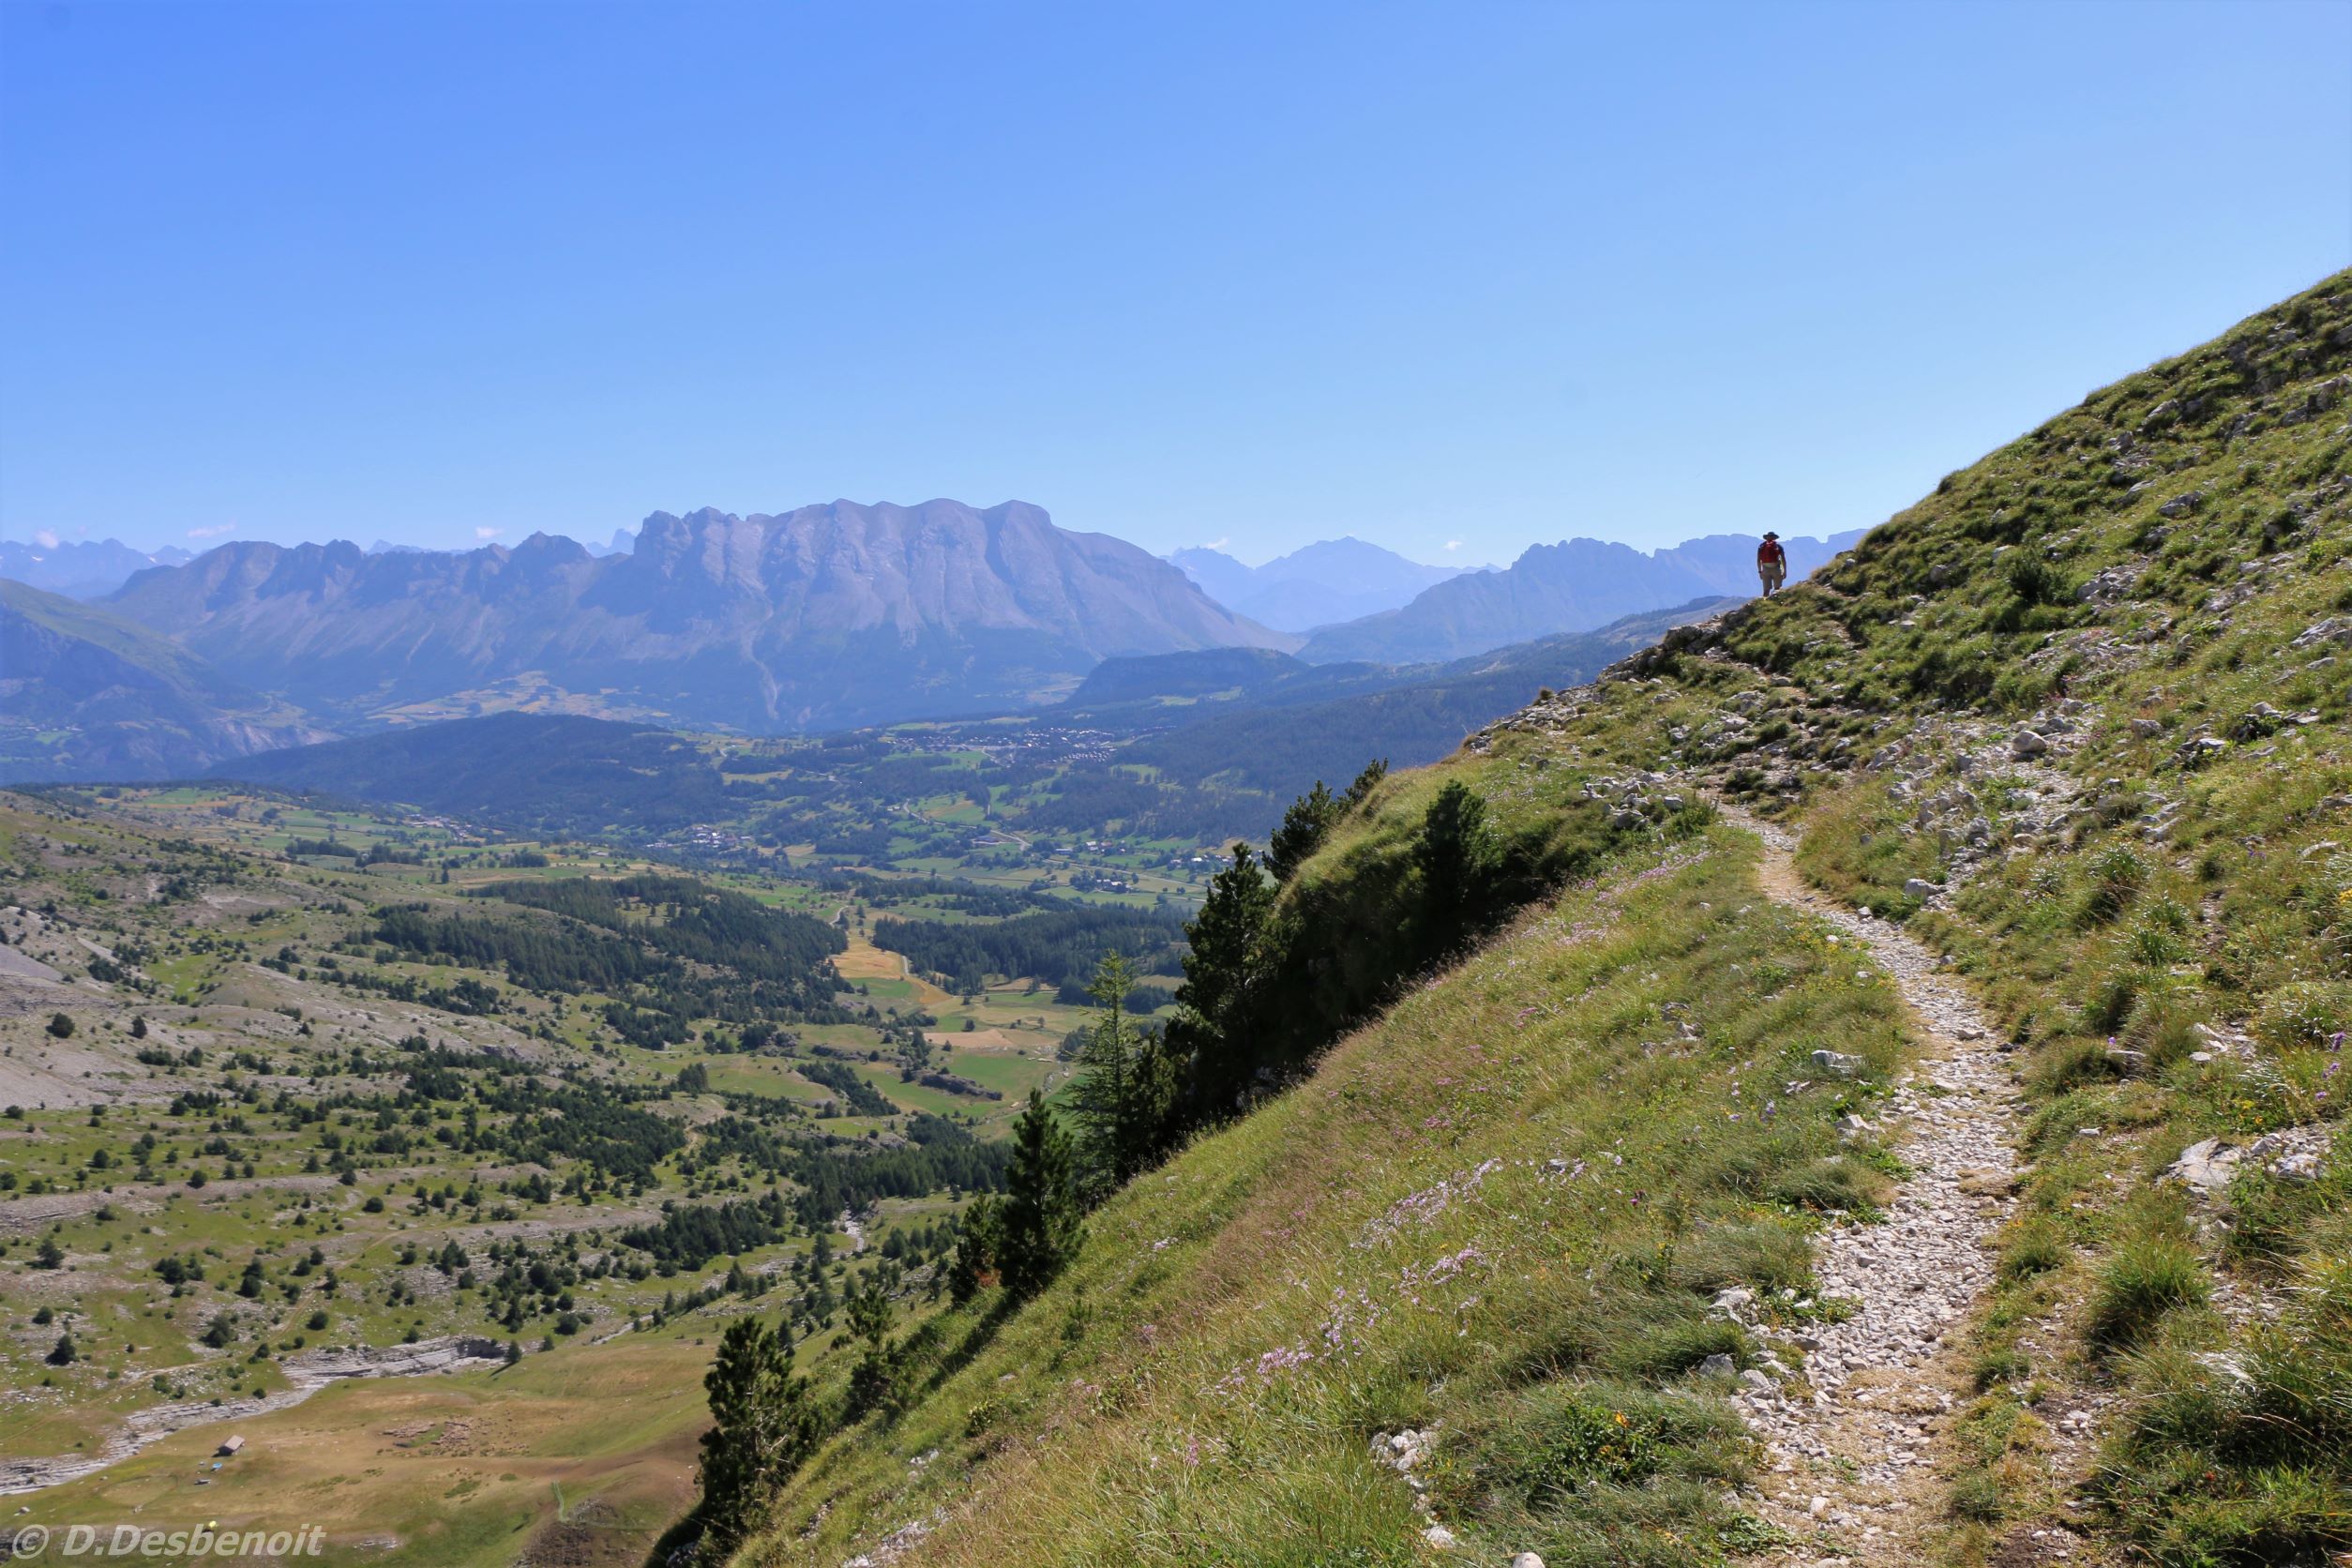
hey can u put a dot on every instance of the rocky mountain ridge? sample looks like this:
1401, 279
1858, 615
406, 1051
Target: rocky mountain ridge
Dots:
824, 616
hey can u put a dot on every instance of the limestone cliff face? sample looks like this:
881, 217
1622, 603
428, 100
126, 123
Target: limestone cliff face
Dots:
832, 614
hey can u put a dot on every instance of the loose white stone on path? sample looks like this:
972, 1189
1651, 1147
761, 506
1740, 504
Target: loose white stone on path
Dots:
1841, 1445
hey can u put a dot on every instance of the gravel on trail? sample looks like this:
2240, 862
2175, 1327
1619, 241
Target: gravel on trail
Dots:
1850, 1440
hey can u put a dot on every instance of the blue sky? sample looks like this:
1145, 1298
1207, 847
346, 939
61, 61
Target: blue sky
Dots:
1453, 278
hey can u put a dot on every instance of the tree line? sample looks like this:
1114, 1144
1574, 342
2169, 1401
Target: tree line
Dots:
1058, 946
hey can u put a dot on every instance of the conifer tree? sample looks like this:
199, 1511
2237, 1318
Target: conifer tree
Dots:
975, 1268
873, 1379
1126, 1094
766, 1426
1211, 1032
1040, 1229
1303, 830
1454, 855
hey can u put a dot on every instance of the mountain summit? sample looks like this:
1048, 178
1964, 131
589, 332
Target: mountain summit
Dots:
826, 615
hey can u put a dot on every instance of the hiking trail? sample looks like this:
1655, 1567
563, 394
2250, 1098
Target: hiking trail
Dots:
1850, 1472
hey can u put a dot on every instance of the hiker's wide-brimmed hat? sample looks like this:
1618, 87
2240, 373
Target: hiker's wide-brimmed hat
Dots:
1769, 535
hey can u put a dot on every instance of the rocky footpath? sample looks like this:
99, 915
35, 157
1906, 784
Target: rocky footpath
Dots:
1849, 1429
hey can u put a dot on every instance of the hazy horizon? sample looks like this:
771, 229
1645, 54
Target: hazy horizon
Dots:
602, 541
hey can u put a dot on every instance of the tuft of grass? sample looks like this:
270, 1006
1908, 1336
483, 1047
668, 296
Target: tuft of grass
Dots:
2003, 1364
1978, 1495
2112, 879
1580, 1471
1833, 1183
2239, 1458
2035, 582
2037, 1246
2141, 1281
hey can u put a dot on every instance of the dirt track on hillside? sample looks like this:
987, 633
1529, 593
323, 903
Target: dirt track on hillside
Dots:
1850, 1472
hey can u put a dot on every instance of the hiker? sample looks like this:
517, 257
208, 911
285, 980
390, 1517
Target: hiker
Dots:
1771, 563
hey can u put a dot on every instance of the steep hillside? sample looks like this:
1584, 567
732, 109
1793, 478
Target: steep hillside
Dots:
88, 695
1571, 586
825, 616
1647, 1233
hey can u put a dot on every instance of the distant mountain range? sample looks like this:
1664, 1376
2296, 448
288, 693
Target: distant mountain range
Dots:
93, 568
622, 540
1334, 579
1571, 586
81, 568
827, 617
823, 617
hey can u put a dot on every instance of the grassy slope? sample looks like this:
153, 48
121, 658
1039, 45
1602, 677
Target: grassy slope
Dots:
1212, 1399
1392, 1246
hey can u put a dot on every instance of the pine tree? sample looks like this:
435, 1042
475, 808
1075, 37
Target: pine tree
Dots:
1210, 1033
765, 1427
975, 1268
1456, 855
1124, 1097
1365, 782
873, 1379
1303, 830
1040, 1230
